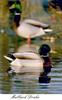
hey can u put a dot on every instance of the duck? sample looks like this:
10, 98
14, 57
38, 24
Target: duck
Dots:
30, 28
25, 62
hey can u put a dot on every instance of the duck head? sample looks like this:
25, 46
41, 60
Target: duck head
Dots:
44, 49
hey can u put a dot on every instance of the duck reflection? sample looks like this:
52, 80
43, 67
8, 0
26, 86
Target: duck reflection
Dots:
44, 79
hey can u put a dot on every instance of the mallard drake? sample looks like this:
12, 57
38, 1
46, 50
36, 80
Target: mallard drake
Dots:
25, 62
30, 28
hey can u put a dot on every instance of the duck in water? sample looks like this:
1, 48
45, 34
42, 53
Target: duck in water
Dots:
41, 62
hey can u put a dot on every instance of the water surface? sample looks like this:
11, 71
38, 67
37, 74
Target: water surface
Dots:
26, 83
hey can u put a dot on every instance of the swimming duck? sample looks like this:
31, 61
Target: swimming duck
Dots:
30, 28
25, 62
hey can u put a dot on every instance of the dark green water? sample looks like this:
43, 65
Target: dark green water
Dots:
27, 84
